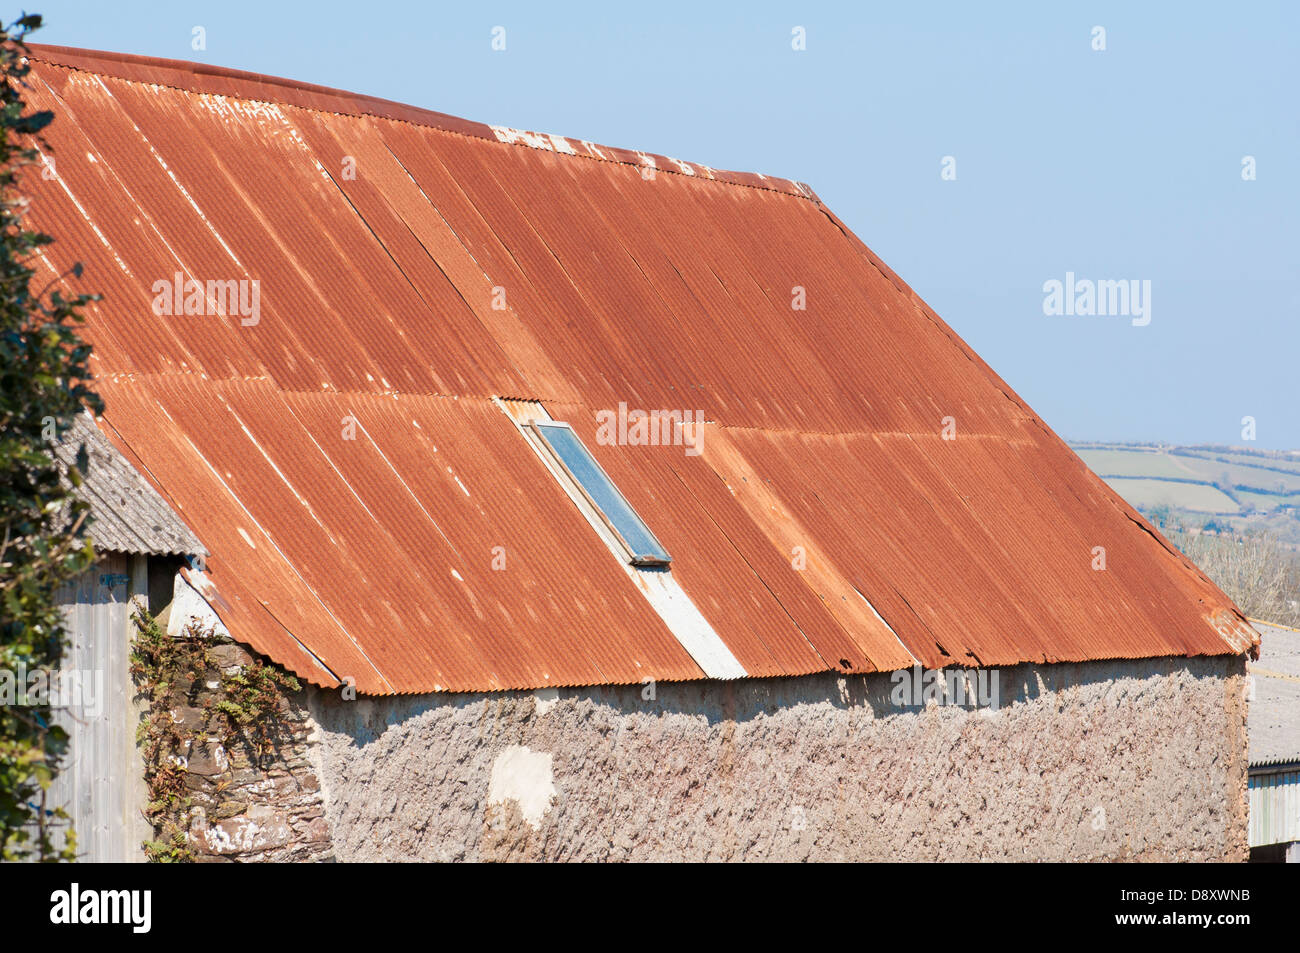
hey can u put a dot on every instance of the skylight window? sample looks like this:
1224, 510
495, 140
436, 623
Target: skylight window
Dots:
642, 547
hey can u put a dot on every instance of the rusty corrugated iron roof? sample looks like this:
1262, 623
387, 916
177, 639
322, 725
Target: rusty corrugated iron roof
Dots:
372, 513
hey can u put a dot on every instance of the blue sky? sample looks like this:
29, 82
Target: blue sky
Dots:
1117, 164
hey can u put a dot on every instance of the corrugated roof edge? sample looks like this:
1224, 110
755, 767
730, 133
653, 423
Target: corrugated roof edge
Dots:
1235, 645
1274, 766
222, 81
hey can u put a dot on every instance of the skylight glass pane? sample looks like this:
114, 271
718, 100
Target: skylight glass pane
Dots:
604, 494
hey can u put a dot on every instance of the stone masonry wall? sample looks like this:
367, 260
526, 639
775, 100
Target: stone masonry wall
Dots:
1123, 760
242, 811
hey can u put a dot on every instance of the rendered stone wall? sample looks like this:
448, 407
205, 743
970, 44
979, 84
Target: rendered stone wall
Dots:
1125, 760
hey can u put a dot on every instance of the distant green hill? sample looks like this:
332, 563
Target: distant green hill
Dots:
1211, 487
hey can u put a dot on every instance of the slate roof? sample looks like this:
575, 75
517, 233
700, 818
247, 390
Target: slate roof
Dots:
129, 515
1274, 720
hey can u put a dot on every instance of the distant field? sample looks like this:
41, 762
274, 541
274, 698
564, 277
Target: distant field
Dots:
1237, 472
1286, 462
1196, 497
1266, 501
1243, 475
1139, 463
1228, 488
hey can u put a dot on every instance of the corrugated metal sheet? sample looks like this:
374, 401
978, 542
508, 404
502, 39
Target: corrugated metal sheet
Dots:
414, 266
1274, 808
128, 514
347, 543
976, 550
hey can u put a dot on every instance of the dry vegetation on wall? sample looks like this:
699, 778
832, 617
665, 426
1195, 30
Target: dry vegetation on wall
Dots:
1255, 570
209, 703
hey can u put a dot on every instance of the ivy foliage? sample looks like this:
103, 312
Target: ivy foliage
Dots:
44, 384
239, 705
168, 673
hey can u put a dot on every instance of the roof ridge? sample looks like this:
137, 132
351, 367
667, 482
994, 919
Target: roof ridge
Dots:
244, 84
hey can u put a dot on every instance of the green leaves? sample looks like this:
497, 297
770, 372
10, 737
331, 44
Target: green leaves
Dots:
44, 383
31, 123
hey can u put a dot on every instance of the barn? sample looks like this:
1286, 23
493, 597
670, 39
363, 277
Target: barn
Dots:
605, 506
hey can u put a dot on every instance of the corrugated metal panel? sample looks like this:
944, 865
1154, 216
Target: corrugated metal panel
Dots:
395, 530
1274, 808
414, 267
964, 570
745, 584
415, 235
128, 514
263, 597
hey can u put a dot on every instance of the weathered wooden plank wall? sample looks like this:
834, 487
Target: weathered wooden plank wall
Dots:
101, 785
